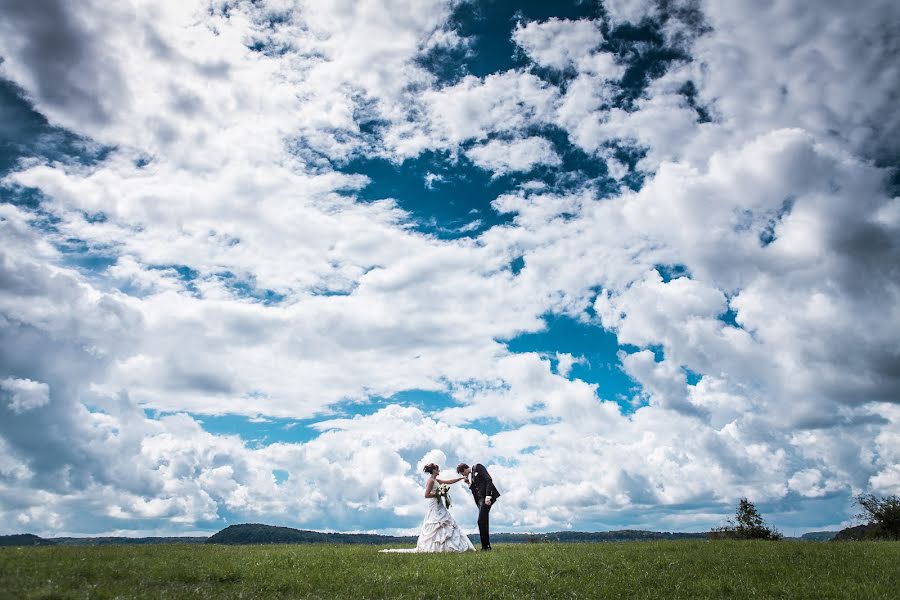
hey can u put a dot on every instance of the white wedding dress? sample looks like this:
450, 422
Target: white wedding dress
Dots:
440, 532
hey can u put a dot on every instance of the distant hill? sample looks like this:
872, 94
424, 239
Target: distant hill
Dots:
818, 536
860, 532
257, 533
24, 539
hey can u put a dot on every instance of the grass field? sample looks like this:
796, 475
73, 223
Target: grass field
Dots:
683, 569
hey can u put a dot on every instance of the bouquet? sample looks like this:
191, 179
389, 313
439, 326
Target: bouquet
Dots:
443, 491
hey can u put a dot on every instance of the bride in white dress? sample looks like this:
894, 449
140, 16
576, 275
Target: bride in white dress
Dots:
440, 532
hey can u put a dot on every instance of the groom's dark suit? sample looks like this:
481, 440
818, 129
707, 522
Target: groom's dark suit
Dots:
482, 486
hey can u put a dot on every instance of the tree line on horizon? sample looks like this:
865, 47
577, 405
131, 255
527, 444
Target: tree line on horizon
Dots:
881, 516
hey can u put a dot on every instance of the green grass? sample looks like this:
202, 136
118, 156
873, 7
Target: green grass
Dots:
683, 569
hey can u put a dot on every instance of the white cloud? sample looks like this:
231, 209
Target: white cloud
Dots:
566, 361
474, 107
815, 84
558, 43
808, 482
629, 10
757, 69
24, 394
579, 111
58, 57
431, 179
517, 155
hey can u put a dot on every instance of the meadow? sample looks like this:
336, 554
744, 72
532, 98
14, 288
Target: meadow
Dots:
647, 570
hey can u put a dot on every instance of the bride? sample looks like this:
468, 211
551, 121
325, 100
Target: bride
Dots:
440, 533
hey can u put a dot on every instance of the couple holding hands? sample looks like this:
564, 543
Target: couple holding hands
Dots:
440, 532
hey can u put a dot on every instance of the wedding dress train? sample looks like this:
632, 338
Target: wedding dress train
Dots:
440, 532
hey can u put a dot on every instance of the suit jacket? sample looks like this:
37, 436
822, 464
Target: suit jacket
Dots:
482, 485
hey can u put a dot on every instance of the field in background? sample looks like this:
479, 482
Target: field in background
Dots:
683, 569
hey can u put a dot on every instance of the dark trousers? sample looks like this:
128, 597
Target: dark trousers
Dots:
484, 523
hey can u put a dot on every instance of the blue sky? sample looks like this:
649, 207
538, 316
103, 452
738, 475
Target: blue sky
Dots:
263, 260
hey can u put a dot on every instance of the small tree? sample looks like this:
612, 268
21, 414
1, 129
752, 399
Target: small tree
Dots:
747, 524
884, 512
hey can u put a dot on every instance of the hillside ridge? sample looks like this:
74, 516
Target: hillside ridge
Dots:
260, 533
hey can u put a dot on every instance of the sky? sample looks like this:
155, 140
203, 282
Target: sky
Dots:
260, 261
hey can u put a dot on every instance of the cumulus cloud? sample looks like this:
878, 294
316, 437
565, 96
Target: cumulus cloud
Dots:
558, 43
475, 107
757, 69
25, 394
629, 10
566, 361
62, 58
517, 155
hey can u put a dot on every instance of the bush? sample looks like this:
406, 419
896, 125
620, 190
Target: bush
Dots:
884, 513
747, 524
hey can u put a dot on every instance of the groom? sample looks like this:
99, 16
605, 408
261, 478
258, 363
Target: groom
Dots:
485, 494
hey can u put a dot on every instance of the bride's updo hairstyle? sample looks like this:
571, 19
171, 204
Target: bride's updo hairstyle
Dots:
430, 468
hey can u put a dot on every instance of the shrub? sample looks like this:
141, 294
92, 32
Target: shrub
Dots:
883, 512
747, 524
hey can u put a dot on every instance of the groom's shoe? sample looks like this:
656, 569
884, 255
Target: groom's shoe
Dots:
488, 549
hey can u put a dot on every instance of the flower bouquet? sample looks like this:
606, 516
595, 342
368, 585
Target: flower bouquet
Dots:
443, 491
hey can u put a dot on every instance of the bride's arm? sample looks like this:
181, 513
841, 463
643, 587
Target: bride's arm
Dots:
450, 481
428, 487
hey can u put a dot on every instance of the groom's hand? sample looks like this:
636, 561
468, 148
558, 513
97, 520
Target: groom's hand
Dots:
487, 500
